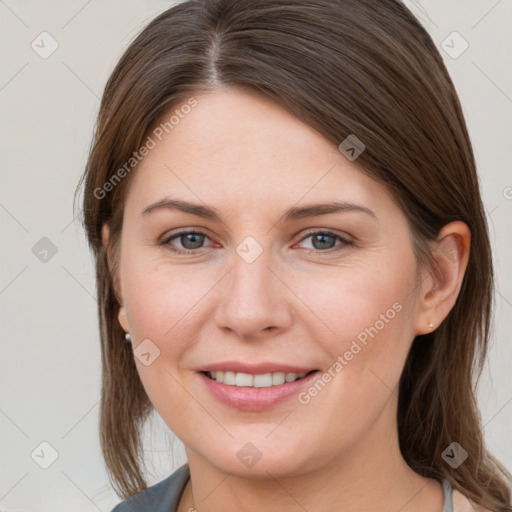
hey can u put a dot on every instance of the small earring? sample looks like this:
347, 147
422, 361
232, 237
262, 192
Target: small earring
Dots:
128, 337
431, 325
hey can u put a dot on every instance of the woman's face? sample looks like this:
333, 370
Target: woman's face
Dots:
272, 283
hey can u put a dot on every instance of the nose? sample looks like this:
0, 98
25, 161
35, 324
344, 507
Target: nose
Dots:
254, 302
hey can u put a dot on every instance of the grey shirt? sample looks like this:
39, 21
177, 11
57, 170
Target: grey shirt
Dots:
165, 495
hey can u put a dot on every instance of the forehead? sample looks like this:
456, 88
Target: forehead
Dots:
243, 146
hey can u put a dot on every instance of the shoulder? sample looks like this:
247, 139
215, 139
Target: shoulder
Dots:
462, 504
161, 497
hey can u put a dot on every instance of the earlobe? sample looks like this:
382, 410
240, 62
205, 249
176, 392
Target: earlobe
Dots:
441, 289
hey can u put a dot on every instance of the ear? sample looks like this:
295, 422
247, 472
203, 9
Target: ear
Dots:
440, 288
105, 237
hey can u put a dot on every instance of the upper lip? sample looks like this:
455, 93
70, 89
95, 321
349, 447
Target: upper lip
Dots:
254, 369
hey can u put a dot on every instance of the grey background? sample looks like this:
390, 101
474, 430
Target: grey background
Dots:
49, 358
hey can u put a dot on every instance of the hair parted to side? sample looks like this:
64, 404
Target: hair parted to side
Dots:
361, 67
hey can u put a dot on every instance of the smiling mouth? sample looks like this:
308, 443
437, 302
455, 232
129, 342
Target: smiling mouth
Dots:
264, 380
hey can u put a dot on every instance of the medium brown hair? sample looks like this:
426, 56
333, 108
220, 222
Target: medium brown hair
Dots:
361, 67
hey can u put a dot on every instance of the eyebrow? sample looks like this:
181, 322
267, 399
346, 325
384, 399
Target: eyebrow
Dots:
294, 213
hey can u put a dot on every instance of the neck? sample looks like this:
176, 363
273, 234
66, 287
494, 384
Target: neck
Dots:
370, 475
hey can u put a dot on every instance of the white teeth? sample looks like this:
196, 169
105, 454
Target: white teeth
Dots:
243, 379
255, 381
278, 378
262, 381
229, 378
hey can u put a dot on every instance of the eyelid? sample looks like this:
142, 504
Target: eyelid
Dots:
178, 234
345, 240
326, 231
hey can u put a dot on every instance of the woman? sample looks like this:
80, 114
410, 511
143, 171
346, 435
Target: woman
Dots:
233, 140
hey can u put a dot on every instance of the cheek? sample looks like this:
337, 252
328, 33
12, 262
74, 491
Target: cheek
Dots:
162, 303
368, 312
160, 298
360, 302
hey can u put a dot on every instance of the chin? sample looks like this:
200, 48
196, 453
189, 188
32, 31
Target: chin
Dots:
251, 461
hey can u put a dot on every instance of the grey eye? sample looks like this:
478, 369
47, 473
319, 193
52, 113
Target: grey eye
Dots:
191, 240
323, 241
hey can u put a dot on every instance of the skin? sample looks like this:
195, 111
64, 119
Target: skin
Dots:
251, 160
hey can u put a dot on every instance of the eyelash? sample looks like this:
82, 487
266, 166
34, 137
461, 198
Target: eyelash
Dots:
344, 241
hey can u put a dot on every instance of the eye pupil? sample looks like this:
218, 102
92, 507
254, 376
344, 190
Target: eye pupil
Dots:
196, 240
323, 243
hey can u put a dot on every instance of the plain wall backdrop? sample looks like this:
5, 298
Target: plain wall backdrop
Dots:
49, 357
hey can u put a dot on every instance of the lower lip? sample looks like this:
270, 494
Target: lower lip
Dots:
255, 399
